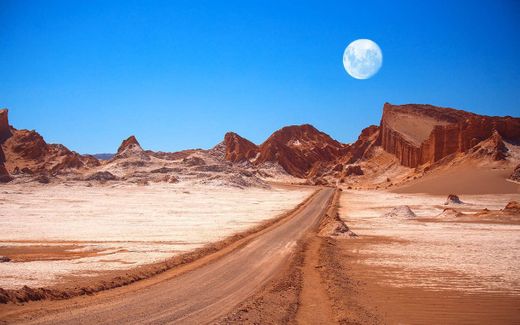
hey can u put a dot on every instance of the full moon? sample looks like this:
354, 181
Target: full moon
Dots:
362, 58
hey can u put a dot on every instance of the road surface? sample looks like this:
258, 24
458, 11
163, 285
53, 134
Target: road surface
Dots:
198, 296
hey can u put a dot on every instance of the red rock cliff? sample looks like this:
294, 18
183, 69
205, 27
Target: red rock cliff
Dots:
419, 134
239, 149
5, 131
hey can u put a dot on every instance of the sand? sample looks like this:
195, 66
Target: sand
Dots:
425, 269
436, 254
464, 180
57, 231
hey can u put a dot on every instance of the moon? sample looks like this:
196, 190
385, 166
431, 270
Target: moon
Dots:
362, 58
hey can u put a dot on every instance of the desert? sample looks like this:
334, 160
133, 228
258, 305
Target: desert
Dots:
86, 230
259, 162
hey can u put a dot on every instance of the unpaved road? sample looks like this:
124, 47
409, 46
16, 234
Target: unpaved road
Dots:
199, 296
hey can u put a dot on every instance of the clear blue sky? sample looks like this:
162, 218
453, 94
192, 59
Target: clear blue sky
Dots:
179, 74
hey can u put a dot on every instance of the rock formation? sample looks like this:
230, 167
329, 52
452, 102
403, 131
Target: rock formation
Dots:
410, 135
513, 207
353, 170
102, 176
238, 149
402, 211
493, 147
450, 213
27, 152
129, 143
297, 148
5, 130
453, 199
4, 174
131, 149
5, 133
419, 134
515, 176
368, 138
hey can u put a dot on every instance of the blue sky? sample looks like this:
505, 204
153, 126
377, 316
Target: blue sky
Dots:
179, 74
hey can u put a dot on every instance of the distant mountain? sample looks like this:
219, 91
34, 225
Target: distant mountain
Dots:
413, 136
411, 141
103, 156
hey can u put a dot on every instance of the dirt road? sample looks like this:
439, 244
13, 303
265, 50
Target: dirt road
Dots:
199, 296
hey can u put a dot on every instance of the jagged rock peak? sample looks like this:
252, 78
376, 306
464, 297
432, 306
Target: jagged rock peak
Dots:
5, 130
238, 149
130, 142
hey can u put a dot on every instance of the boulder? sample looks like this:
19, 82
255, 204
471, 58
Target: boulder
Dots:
452, 199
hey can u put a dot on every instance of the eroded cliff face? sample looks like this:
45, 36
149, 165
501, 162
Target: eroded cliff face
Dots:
5, 131
419, 134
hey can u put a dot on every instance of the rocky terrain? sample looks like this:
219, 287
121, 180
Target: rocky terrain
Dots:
162, 211
420, 134
412, 141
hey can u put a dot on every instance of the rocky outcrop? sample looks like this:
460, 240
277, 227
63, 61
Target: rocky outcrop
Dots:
515, 176
27, 150
131, 150
297, 148
419, 134
493, 147
360, 149
402, 211
353, 170
5, 130
513, 207
101, 176
4, 174
130, 143
238, 149
453, 199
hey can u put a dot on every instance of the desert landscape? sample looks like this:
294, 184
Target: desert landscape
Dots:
259, 162
400, 218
